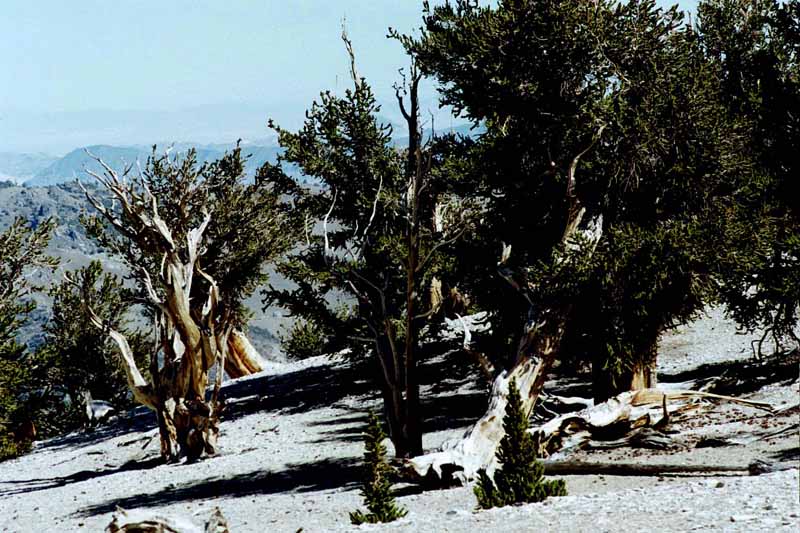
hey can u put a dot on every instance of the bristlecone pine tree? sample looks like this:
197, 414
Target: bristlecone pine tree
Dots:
521, 479
377, 489
194, 239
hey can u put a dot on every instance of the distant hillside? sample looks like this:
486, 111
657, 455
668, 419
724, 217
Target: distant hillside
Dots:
38, 170
18, 168
74, 165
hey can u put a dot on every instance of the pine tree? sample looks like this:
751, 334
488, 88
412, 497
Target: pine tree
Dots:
377, 488
521, 477
22, 249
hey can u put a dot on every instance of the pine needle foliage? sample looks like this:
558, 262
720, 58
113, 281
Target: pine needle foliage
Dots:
377, 488
521, 477
22, 250
306, 338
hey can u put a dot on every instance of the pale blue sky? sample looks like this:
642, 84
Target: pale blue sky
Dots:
76, 71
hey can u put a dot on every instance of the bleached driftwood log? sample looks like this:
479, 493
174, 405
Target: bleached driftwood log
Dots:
152, 522
632, 418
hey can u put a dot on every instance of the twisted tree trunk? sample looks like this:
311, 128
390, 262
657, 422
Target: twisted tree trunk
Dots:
537, 350
192, 337
242, 358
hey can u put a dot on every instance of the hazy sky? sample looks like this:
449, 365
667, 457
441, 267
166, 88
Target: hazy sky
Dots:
67, 63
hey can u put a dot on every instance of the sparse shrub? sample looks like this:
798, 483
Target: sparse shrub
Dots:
306, 339
521, 477
377, 488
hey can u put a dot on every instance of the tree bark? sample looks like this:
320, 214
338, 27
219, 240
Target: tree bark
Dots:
242, 358
413, 424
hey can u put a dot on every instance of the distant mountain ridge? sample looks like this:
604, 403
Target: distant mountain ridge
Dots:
18, 168
41, 170
75, 164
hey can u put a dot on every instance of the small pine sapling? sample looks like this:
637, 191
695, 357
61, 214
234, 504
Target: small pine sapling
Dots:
377, 488
521, 477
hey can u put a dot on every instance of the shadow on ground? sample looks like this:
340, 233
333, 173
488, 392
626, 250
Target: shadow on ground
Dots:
137, 420
297, 391
440, 413
22, 486
735, 378
304, 477
294, 392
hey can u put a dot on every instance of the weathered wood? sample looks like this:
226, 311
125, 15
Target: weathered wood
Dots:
582, 468
632, 418
190, 340
537, 351
242, 359
143, 521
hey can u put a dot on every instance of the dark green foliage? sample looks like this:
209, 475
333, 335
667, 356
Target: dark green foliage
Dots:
754, 47
343, 145
77, 357
520, 478
22, 249
382, 244
13, 381
305, 339
377, 487
624, 96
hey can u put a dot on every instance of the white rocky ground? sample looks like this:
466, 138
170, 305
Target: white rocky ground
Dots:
291, 451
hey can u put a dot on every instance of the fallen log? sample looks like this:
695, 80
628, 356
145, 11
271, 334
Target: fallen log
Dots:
646, 396
152, 522
633, 418
582, 468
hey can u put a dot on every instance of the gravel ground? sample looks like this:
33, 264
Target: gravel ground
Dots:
291, 450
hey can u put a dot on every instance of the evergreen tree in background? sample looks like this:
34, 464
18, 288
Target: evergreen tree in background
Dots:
76, 358
521, 477
754, 48
22, 249
377, 488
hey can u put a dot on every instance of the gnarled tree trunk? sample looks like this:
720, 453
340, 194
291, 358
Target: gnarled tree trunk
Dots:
537, 351
242, 359
192, 338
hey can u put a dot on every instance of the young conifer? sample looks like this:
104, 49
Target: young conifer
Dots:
521, 477
377, 488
